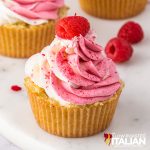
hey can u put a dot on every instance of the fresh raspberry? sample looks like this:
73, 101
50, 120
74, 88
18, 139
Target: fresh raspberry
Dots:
119, 50
132, 32
71, 26
16, 88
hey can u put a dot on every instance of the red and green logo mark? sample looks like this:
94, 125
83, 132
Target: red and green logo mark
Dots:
107, 138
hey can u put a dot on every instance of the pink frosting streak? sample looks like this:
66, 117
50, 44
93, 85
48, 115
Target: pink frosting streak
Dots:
36, 9
90, 77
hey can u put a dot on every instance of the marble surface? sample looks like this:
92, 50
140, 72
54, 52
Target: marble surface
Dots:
6, 145
132, 116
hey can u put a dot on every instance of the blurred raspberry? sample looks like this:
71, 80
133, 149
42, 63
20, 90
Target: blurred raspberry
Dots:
119, 50
132, 32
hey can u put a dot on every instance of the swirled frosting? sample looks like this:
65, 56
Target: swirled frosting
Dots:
31, 12
74, 71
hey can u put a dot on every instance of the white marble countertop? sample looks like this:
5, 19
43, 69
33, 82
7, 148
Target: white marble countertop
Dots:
6, 145
132, 116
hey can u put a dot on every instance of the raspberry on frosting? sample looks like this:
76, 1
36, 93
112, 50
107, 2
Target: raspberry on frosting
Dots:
72, 26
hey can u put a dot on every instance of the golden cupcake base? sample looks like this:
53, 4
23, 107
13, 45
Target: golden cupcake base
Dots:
21, 40
113, 9
70, 120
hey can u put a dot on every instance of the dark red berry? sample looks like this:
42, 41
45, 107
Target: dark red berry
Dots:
119, 50
132, 32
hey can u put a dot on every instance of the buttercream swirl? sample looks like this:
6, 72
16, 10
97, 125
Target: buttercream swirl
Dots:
80, 74
35, 9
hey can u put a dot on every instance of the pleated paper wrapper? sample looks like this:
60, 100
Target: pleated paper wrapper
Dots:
113, 9
21, 40
70, 120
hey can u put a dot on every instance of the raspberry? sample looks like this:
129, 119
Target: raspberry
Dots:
132, 32
71, 26
15, 88
119, 50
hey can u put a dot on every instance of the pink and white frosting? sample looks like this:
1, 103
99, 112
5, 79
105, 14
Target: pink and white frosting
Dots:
74, 71
29, 10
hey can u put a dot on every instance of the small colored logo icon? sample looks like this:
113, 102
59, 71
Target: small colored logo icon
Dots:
107, 138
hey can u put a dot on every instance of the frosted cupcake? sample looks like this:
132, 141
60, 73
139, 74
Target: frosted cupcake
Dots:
28, 26
73, 88
113, 9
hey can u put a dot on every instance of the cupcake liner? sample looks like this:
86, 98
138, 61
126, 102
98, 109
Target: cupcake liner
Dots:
21, 40
113, 9
70, 120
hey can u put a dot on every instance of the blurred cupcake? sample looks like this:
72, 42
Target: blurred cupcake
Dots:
113, 9
28, 26
73, 88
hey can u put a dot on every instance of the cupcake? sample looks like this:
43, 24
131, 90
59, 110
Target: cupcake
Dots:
28, 26
113, 9
73, 88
